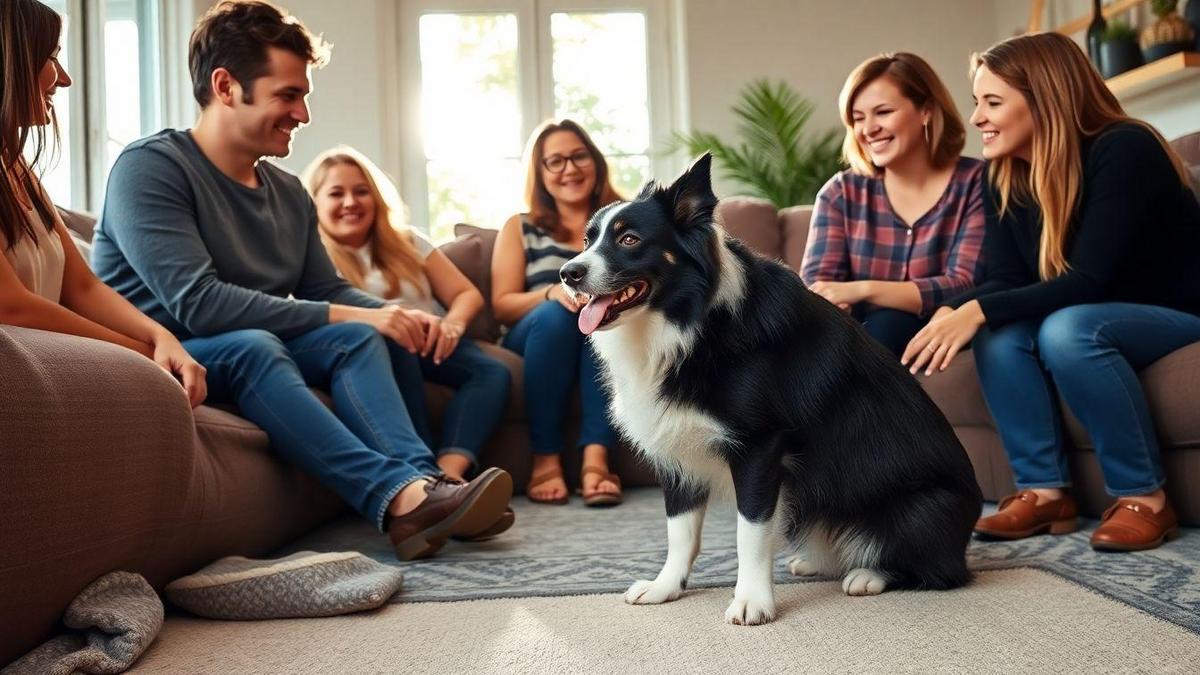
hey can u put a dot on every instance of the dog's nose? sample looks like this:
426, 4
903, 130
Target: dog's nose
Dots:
572, 273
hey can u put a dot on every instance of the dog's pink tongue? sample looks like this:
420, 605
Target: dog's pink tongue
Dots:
593, 313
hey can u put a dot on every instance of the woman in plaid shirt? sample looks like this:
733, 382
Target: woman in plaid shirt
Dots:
899, 232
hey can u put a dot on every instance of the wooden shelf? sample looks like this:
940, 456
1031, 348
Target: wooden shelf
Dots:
1160, 73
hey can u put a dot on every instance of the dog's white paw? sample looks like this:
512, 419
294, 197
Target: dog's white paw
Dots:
652, 592
862, 581
750, 611
801, 567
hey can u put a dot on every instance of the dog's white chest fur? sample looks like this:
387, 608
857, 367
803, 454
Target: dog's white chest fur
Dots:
676, 437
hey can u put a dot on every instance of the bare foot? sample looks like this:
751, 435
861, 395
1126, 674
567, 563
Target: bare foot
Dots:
551, 489
454, 464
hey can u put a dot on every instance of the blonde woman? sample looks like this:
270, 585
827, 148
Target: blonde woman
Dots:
901, 230
1093, 245
359, 215
566, 182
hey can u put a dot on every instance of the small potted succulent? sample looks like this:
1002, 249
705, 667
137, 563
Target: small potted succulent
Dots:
1170, 34
1119, 49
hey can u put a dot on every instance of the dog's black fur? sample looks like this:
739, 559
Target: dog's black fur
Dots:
814, 409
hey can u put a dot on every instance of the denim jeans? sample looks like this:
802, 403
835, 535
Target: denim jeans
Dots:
1090, 355
366, 449
557, 356
892, 328
481, 385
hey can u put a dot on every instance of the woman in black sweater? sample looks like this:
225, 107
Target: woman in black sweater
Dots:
1092, 272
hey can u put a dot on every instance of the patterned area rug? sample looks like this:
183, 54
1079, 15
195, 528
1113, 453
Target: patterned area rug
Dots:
573, 550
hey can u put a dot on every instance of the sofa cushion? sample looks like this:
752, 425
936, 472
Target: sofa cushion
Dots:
755, 222
471, 253
793, 225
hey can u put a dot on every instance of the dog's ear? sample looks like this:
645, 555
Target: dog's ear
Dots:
648, 190
691, 197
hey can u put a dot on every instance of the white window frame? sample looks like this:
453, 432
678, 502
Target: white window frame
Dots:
406, 150
162, 61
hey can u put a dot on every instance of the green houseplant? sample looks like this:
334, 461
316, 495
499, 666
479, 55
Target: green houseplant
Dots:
773, 157
1119, 49
1170, 34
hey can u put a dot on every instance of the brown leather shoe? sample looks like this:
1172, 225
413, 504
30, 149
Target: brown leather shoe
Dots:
499, 527
450, 507
1130, 526
1019, 516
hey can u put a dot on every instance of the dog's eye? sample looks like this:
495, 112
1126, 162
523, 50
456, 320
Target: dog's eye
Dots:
628, 240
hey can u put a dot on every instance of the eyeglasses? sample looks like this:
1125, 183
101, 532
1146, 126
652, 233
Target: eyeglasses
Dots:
558, 163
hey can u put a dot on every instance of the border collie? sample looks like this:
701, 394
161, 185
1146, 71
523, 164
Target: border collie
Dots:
732, 377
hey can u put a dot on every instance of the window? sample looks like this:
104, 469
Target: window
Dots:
115, 98
487, 72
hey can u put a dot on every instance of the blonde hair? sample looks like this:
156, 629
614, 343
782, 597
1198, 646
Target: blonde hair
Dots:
541, 205
390, 241
1068, 102
918, 83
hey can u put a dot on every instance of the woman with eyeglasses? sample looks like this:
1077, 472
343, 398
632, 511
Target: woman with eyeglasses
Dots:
566, 182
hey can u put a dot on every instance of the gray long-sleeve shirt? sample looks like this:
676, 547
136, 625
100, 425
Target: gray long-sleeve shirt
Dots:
202, 254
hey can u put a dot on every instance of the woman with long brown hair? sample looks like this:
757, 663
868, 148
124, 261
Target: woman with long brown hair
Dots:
1093, 272
360, 219
44, 281
566, 182
900, 231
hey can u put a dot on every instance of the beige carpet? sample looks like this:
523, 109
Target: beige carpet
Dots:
1007, 621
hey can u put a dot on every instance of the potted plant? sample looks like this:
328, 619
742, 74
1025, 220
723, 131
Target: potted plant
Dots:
1119, 50
774, 159
1170, 34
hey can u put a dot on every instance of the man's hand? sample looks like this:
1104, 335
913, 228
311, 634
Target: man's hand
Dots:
405, 326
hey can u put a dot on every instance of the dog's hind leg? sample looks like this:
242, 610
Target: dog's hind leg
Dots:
686, 504
756, 484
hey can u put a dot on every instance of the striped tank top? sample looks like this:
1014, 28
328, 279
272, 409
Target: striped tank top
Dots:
543, 256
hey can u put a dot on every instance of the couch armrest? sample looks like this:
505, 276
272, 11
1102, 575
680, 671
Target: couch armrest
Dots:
95, 458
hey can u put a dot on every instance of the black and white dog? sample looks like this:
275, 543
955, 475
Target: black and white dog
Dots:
730, 376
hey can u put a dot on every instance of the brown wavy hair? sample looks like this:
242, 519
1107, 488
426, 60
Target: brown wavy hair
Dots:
29, 34
1069, 102
919, 83
390, 242
538, 200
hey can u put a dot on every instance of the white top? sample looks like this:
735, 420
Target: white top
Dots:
410, 295
39, 263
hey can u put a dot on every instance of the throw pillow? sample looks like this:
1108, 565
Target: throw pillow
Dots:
471, 253
304, 584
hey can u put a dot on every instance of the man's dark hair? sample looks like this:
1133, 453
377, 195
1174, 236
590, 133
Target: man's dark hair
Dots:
235, 35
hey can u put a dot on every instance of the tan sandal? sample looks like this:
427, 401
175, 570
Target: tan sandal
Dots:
596, 497
540, 479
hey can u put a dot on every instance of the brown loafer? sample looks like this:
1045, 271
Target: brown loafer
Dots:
1019, 516
451, 507
1130, 526
499, 527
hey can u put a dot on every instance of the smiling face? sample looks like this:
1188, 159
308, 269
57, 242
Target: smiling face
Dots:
574, 184
346, 205
51, 77
1003, 115
887, 125
264, 122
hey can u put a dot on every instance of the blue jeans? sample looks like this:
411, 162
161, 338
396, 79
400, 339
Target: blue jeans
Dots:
557, 356
365, 449
892, 328
1090, 355
481, 385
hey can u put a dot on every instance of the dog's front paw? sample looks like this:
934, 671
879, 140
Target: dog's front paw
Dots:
652, 592
750, 611
862, 581
800, 566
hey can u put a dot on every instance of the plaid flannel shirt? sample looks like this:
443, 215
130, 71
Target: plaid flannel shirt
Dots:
855, 235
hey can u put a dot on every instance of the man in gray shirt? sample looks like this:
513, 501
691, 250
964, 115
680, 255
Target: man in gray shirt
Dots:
222, 249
